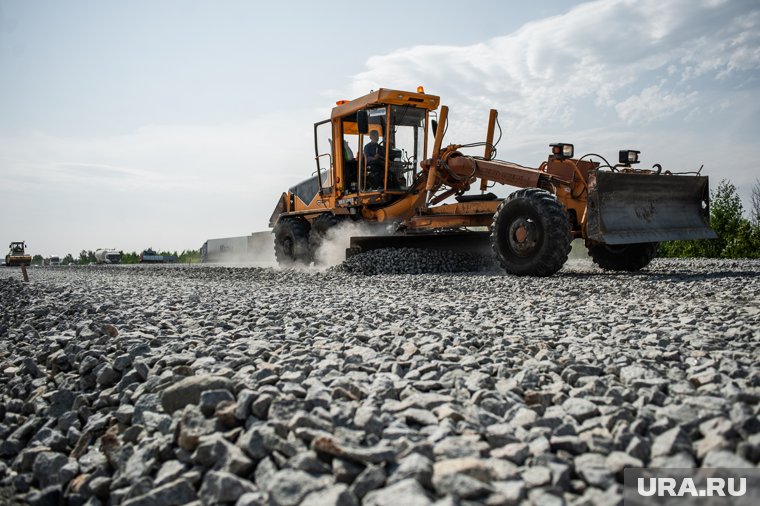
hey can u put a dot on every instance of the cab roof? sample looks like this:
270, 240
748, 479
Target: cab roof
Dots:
385, 96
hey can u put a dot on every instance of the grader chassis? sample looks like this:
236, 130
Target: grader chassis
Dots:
619, 211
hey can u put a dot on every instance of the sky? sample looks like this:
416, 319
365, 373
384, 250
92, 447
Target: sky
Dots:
164, 123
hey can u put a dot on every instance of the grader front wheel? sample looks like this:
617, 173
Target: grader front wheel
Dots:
530, 233
291, 242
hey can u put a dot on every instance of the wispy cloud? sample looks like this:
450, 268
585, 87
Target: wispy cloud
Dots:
605, 53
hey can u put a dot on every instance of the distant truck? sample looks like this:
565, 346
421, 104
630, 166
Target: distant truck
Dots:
107, 256
17, 255
151, 257
51, 261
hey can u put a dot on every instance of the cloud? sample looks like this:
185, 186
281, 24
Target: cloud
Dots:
170, 186
652, 104
604, 54
222, 159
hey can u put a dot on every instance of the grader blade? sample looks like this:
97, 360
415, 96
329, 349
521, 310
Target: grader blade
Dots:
625, 208
469, 242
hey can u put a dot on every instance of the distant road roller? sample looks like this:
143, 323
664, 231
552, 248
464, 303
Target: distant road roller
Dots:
17, 254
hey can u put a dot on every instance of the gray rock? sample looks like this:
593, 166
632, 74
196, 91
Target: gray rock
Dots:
679, 460
501, 434
260, 406
192, 426
169, 471
617, 462
214, 451
309, 462
49, 496
514, 452
631, 373
175, 493
511, 492
373, 477
244, 400
414, 466
580, 409
407, 492
345, 471
592, 468
265, 470
336, 495
60, 402
252, 499
100, 486
210, 399
725, 459
460, 485
46, 468
288, 487
419, 417
107, 376
222, 486
570, 444
670, 442
537, 476
189, 390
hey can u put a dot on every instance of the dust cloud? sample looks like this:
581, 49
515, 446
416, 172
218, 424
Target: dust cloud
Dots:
337, 239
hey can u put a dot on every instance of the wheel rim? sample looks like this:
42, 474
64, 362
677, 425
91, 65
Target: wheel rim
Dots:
523, 236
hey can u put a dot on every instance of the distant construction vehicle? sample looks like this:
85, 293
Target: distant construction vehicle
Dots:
107, 256
621, 212
17, 255
149, 256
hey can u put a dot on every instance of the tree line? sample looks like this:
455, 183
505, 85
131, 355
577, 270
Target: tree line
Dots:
87, 257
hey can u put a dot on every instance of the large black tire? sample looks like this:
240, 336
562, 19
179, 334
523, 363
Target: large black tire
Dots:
291, 242
622, 257
530, 233
319, 228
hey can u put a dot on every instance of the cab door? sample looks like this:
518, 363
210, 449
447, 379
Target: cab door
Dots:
324, 156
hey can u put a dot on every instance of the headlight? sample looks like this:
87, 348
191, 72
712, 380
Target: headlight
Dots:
628, 156
562, 151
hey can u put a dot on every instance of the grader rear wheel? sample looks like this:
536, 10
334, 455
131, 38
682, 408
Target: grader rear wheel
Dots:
291, 242
530, 233
622, 257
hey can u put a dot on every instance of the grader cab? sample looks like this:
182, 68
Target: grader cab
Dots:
373, 166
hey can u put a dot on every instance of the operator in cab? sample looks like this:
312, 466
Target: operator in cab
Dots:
374, 154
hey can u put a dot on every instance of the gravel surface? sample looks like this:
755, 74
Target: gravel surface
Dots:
252, 386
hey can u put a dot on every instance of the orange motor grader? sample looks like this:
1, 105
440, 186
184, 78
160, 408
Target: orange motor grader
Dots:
373, 166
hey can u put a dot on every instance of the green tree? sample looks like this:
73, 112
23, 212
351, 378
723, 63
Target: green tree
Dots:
129, 258
86, 257
68, 259
37, 260
190, 256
